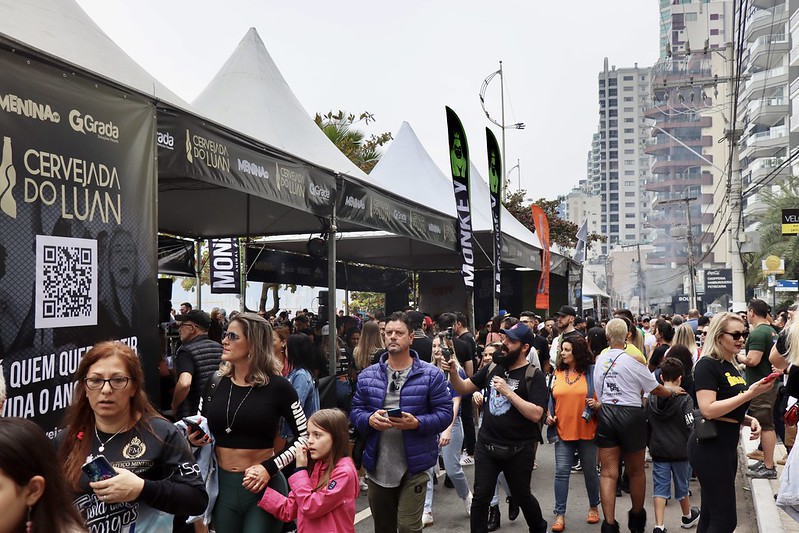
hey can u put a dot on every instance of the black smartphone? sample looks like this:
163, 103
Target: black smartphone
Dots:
394, 413
98, 468
194, 427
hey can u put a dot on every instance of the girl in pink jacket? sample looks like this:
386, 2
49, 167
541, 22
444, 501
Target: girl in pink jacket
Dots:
324, 500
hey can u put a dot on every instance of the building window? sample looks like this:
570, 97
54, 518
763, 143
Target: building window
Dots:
629, 184
629, 215
714, 31
629, 204
629, 194
629, 99
614, 228
629, 141
628, 78
629, 226
629, 173
612, 82
714, 16
629, 161
629, 88
613, 92
613, 102
614, 197
629, 151
614, 217
629, 120
629, 237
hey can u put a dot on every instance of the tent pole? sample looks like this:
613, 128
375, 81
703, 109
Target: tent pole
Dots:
199, 269
243, 261
331, 284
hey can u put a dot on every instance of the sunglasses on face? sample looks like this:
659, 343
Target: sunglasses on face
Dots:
230, 335
736, 335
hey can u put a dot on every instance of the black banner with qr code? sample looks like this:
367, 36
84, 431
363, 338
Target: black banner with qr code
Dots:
77, 230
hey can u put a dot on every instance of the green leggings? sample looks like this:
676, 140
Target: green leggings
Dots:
236, 509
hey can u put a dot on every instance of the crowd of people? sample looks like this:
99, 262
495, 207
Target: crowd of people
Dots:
257, 435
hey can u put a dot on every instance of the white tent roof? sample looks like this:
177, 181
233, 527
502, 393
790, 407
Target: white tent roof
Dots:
250, 95
590, 289
61, 29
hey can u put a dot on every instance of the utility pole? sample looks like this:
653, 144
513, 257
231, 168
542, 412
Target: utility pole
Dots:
690, 237
734, 187
641, 285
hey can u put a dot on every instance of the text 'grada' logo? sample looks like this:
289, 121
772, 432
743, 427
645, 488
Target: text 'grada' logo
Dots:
84, 124
164, 139
11, 103
355, 203
320, 191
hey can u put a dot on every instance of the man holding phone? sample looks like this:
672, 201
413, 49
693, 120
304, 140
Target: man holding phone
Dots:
400, 406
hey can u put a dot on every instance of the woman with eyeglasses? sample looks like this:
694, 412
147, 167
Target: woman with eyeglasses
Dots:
723, 397
243, 415
156, 475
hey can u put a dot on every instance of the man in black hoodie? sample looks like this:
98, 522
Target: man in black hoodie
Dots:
670, 423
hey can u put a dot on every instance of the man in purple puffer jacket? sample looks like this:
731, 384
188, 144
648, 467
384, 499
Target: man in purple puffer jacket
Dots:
401, 405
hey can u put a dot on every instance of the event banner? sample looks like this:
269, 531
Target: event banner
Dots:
188, 146
77, 231
224, 269
459, 164
495, 173
542, 228
379, 211
176, 256
275, 266
519, 253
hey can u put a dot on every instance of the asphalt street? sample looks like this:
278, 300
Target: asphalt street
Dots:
449, 515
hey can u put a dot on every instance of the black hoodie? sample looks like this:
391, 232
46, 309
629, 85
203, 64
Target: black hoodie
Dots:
670, 421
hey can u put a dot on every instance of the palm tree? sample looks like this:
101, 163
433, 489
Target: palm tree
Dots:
352, 142
772, 241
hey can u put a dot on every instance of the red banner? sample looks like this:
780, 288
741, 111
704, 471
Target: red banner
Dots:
542, 229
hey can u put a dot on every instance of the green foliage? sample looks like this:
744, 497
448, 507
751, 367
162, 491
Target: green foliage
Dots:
772, 242
367, 302
339, 128
561, 231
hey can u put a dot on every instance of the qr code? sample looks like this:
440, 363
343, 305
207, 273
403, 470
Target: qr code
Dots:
66, 282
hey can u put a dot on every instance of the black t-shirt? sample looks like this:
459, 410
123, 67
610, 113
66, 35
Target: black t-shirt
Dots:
424, 347
657, 355
463, 351
542, 347
468, 338
724, 378
503, 424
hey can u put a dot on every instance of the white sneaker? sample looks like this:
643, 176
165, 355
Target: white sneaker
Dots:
427, 519
467, 503
364, 484
466, 459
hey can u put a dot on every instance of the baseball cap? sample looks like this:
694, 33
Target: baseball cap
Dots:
566, 310
519, 332
201, 318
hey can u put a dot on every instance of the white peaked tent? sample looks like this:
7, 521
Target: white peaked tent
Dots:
250, 95
591, 290
62, 30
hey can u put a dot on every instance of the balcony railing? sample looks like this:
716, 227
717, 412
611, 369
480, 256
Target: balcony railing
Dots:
765, 75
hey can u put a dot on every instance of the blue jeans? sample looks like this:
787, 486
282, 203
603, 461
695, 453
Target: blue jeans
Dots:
663, 473
452, 464
564, 458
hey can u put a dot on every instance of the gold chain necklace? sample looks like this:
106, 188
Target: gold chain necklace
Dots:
579, 375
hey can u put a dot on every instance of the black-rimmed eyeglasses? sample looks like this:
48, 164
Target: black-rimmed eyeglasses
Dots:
117, 383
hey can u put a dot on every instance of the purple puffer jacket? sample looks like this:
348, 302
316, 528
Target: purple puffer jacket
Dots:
424, 395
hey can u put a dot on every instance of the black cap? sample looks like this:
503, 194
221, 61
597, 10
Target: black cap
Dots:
416, 318
200, 318
566, 310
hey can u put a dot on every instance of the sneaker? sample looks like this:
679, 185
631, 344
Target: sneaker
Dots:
364, 484
659, 530
467, 503
467, 460
427, 519
578, 467
755, 466
763, 473
690, 521
757, 455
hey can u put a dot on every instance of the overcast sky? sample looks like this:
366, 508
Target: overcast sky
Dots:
405, 60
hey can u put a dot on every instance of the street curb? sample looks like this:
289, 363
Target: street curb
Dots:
769, 517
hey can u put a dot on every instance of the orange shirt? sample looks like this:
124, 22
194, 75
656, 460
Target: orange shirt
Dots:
569, 406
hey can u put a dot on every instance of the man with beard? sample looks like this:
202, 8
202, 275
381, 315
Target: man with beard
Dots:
400, 445
506, 441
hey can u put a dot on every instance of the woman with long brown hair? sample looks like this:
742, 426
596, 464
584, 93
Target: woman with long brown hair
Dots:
370, 345
243, 415
156, 475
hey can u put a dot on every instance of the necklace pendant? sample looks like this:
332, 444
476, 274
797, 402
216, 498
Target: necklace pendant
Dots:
227, 430
101, 449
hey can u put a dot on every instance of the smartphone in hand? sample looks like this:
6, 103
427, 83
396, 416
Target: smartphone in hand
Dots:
394, 413
98, 468
194, 427
772, 377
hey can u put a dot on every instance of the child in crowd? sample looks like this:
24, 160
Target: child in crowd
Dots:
670, 423
322, 500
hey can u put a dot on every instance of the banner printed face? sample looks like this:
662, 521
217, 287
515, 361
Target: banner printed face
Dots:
542, 228
459, 164
188, 147
225, 273
495, 170
77, 231
381, 212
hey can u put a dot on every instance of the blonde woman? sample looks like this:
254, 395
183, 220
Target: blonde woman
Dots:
684, 336
722, 396
369, 345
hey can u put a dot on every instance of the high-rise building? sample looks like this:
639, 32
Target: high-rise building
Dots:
618, 166
581, 205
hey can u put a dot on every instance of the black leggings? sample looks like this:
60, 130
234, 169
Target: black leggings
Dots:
715, 462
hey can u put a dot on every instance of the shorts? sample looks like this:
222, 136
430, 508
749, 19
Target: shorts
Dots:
663, 473
762, 408
621, 426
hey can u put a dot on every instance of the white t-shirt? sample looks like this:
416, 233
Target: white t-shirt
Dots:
625, 382
649, 344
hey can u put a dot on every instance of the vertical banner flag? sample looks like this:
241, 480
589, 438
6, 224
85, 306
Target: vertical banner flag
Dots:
459, 163
77, 231
542, 229
223, 255
582, 237
495, 174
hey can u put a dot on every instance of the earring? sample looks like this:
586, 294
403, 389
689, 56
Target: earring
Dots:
29, 523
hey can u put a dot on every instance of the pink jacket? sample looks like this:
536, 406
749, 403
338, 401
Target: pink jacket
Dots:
330, 509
